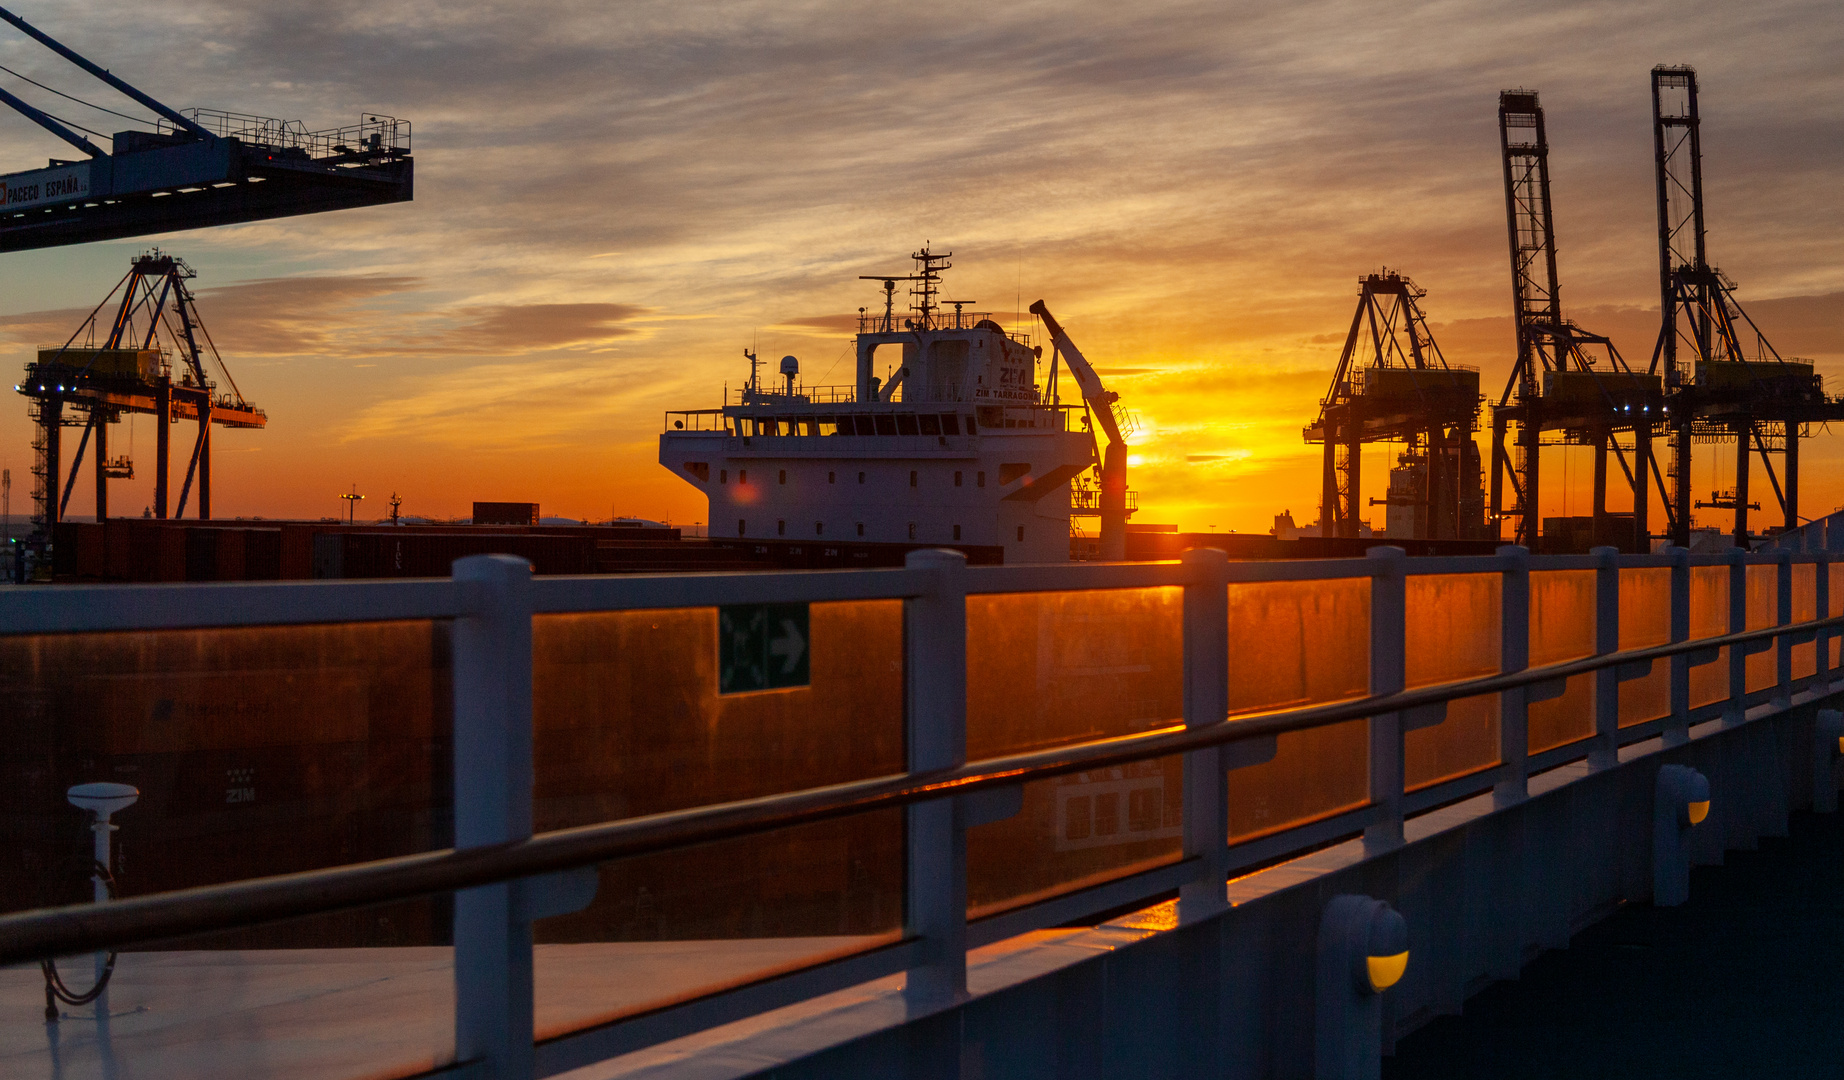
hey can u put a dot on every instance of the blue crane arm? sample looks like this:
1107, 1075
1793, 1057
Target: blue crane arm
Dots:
52, 126
76, 58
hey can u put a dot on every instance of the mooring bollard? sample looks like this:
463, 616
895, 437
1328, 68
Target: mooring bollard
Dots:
1363, 951
1827, 747
1680, 801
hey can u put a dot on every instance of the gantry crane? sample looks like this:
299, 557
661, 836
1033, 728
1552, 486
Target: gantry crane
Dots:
151, 360
1393, 385
1722, 390
197, 168
1566, 380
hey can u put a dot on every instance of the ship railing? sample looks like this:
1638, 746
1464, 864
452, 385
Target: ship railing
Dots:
1660, 619
697, 420
803, 395
1085, 498
872, 322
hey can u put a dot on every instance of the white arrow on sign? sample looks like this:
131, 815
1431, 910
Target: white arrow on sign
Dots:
789, 646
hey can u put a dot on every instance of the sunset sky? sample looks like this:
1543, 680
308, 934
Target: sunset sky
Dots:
612, 201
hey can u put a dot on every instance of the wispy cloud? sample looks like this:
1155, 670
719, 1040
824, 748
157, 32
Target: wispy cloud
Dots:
613, 200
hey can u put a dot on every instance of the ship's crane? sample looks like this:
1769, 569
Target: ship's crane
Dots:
1100, 402
1727, 391
91, 384
195, 168
1566, 380
1393, 385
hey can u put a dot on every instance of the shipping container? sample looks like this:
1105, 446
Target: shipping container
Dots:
141, 365
402, 553
1790, 378
1430, 387
1617, 389
505, 513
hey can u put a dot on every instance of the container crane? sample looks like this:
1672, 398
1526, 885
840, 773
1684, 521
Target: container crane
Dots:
1393, 385
1724, 388
195, 169
92, 384
1100, 402
1566, 380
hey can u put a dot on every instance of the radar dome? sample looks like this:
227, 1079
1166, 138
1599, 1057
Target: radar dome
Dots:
790, 365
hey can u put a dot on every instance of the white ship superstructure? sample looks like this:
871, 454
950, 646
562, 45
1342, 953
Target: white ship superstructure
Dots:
957, 443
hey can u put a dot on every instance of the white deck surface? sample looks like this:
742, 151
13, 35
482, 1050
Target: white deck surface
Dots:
339, 1014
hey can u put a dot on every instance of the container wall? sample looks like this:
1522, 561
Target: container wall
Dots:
629, 721
257, 751
1709, 617
1453, 632
1805, 609
1645, 621
1293, 644
1562, 628
1835, 606
1051, 669
1763, 608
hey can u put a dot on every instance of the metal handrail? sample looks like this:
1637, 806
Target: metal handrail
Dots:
32, 935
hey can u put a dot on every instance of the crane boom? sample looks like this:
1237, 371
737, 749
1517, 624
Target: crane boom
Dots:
102, 73
1099, 398
196, 168
1114, 458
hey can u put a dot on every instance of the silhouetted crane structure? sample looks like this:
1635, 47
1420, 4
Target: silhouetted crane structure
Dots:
197, 168
151, 359
1567, 384
1393, 385
1727, 382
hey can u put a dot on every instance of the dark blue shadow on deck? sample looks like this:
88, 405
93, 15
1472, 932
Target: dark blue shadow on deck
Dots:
1746, 980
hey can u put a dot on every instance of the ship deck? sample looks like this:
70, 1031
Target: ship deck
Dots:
337, 1014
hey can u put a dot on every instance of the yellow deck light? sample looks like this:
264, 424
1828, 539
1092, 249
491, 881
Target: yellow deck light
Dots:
1386, 971
1699, 811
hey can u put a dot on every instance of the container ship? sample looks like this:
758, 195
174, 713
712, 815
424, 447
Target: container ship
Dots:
956, 443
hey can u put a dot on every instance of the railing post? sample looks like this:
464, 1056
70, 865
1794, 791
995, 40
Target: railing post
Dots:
1513, 656
1388, 629
935, 718
1783, 616
492, 796
1604, 750
1676, 730
1206, 702
1736, 709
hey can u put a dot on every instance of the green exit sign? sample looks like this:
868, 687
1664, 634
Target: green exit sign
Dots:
762, 647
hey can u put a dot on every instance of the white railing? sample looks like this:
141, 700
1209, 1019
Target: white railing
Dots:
492, 601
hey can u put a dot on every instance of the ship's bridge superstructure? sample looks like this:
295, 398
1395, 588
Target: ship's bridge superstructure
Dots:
945, 437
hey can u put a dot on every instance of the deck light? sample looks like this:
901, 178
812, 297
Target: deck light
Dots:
1827, 749
1386, 971
1680, 802
1363, 950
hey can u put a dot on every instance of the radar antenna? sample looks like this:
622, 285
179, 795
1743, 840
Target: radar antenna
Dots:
928, 283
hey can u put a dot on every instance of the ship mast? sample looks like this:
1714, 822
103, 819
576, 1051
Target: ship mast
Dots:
927, 283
